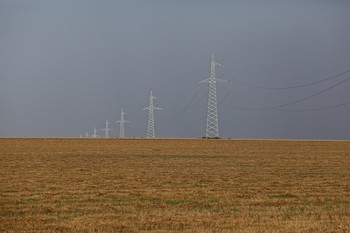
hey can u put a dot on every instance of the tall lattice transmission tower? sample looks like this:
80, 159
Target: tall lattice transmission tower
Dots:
151, 108
95, 134
212, 129
122, 122
107, 129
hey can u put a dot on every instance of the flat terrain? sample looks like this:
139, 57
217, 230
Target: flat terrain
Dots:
174, 185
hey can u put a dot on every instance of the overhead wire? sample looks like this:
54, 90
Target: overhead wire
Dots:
264, 107
305, 45
297, 49
307, 97
279, 107
289, 110
187, 107
317, 109
296, 86
313, 95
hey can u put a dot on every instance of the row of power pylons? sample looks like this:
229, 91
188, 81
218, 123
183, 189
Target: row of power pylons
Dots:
150, 127
212, 124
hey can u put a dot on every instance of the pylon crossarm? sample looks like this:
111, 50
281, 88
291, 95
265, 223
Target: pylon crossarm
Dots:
222, 81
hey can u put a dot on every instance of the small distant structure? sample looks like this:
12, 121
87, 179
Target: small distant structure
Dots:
122, 122
95, 134
151, 108
107, 129
86, 134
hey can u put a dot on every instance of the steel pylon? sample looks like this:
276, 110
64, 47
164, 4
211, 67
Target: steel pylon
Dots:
95, 133
107, 129
122, 122
212, 127
151, 108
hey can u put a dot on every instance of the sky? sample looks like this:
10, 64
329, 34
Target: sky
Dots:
67, 66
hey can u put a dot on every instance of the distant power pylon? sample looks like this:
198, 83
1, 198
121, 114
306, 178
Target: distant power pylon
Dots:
151, 108
94, 135
122, 122
107, 129
212, 129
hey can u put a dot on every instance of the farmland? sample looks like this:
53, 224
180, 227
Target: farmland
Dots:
173, 185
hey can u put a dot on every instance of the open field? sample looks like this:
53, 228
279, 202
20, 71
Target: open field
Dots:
170, 185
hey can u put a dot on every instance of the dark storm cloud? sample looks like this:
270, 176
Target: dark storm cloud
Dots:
66, 66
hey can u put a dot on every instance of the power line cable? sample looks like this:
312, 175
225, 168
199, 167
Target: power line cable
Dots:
297, 49
188, 104
219, 103
296, 86
264, 107
321, 37
187, 107
313, 95
310, 43
291, 110
223, 99
304, 98
316, 109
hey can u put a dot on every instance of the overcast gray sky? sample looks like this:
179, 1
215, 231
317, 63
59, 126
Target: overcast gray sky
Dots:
66, 66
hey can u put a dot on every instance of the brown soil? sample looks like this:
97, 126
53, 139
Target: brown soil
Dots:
174, 185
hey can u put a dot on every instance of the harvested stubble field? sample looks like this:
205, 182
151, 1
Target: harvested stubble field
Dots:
169, 185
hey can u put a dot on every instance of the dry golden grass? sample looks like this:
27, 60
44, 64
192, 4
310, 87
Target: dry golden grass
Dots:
174, 185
